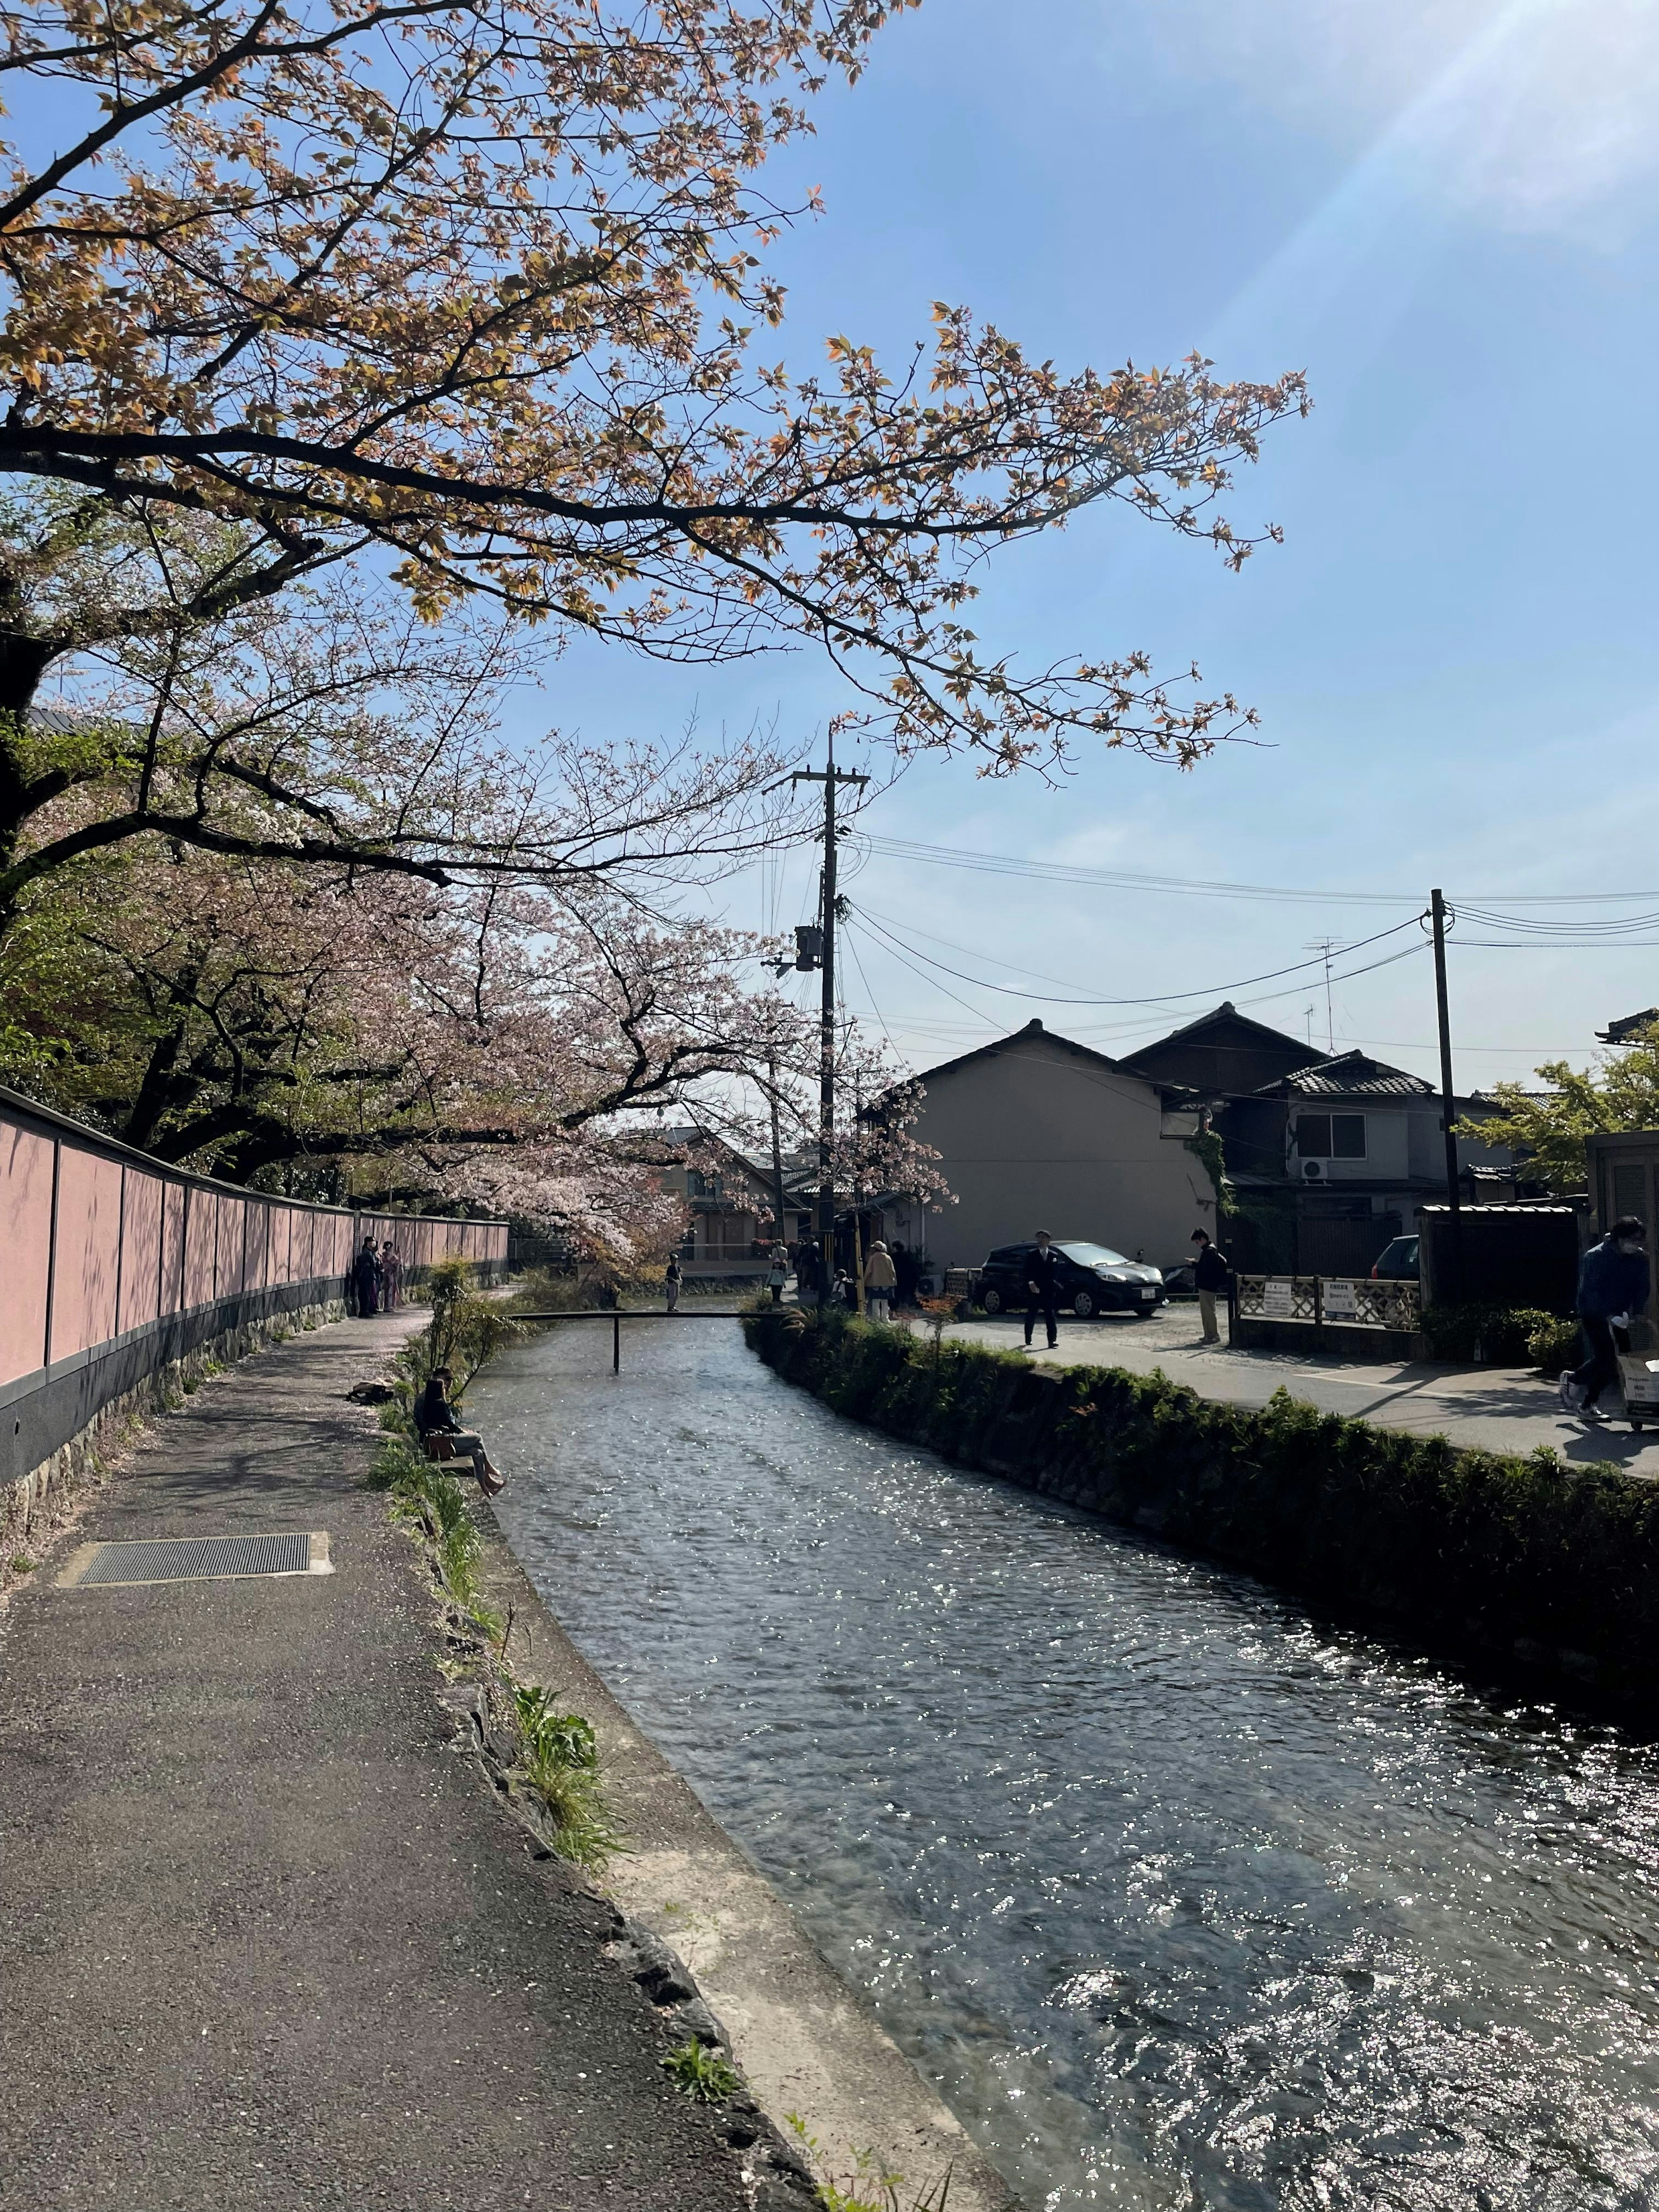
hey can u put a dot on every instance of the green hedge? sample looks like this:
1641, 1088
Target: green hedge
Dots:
1499, 1336
1526, 1555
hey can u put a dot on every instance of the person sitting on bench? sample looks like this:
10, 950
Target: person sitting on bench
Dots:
439, 1429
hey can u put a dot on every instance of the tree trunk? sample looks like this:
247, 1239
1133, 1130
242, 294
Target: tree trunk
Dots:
23, 661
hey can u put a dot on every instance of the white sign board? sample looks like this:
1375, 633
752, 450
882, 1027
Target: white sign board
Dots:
1339, 1298
1278, 1298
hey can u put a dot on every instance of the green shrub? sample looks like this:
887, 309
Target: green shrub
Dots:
1554, 1344
466, 1330
559, 1759
1500, 1336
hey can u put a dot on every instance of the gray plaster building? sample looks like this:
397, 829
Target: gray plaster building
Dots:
1036, 1131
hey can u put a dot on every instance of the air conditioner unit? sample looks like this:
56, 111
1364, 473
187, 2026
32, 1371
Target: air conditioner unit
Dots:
1314, 1171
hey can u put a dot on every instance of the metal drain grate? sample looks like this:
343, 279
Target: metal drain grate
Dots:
197, 1558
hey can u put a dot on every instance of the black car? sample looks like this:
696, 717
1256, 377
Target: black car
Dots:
1093, 1279
1398, 1262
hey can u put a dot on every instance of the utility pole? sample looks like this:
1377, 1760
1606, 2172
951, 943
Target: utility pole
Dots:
778, 1235
1447, 1101
829, 775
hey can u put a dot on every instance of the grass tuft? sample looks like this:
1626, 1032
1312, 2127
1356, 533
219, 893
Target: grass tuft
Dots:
872, 2186
559, 1760
701, 2074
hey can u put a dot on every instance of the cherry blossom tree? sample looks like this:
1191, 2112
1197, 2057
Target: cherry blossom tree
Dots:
473, 287
375, 1037
326, 726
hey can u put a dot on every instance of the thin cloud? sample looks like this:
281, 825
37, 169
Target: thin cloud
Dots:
1534, 113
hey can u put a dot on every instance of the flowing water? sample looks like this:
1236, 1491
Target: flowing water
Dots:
1181, 1899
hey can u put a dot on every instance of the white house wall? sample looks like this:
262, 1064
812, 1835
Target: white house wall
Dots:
1034, 1138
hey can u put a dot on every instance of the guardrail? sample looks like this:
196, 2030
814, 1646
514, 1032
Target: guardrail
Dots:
1330, 1301
618, 1314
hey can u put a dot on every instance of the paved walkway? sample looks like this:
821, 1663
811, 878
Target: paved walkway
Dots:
1510, 1409
269, 1944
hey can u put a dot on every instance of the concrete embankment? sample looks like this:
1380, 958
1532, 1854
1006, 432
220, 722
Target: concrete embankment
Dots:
807, 2045
270, 1941
1553, 1568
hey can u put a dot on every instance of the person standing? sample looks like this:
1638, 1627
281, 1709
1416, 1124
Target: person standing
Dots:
880, 1278
366, 1276
1613, 1283
1210, 1275
391, 1278
807, 1271
777, 1273
1042, 1288
672, 1282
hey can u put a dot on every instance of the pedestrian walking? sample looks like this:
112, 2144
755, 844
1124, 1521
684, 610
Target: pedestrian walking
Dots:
907, 1268
1613, 1283
1211, 1273
366, 1277
1042, 1288
777, 1273
671, 1283
392, 1277
807, 1271
881, 1279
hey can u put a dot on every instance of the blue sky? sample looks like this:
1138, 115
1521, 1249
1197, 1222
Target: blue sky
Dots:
1443, 210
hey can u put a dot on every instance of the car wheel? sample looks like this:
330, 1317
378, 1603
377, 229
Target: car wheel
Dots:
1084, 1303
992, 1301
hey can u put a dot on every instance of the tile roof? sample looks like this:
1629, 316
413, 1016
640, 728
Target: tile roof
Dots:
1226, 1015
1349, 1075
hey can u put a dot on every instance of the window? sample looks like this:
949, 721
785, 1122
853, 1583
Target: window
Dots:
1330, 1136
1347, 1136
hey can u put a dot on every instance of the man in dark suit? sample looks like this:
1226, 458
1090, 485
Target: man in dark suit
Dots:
1042, 1287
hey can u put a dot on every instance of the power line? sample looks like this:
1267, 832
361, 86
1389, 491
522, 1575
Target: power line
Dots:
1160, 999
1008, 864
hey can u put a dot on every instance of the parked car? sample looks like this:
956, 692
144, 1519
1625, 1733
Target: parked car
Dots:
1182, 1280
1093, 1279
1397, 1262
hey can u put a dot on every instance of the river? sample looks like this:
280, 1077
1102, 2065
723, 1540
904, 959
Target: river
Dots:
1180, 1898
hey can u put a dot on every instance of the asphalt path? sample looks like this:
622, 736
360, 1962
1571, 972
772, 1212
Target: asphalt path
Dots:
269, 1941
1510, 1409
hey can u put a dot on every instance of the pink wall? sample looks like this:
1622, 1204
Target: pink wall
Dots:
198, 1249
88, 1243
141, 1249
132, 1243
26, 1240
173, 1261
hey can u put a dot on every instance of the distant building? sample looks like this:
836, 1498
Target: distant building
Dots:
1629, 1028
729, 1202
1327, 1155
1036, 1131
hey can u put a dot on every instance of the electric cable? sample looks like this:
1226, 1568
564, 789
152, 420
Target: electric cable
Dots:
1066, 872
1161, 999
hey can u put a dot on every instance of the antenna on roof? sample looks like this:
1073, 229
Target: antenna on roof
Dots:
1328, 946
